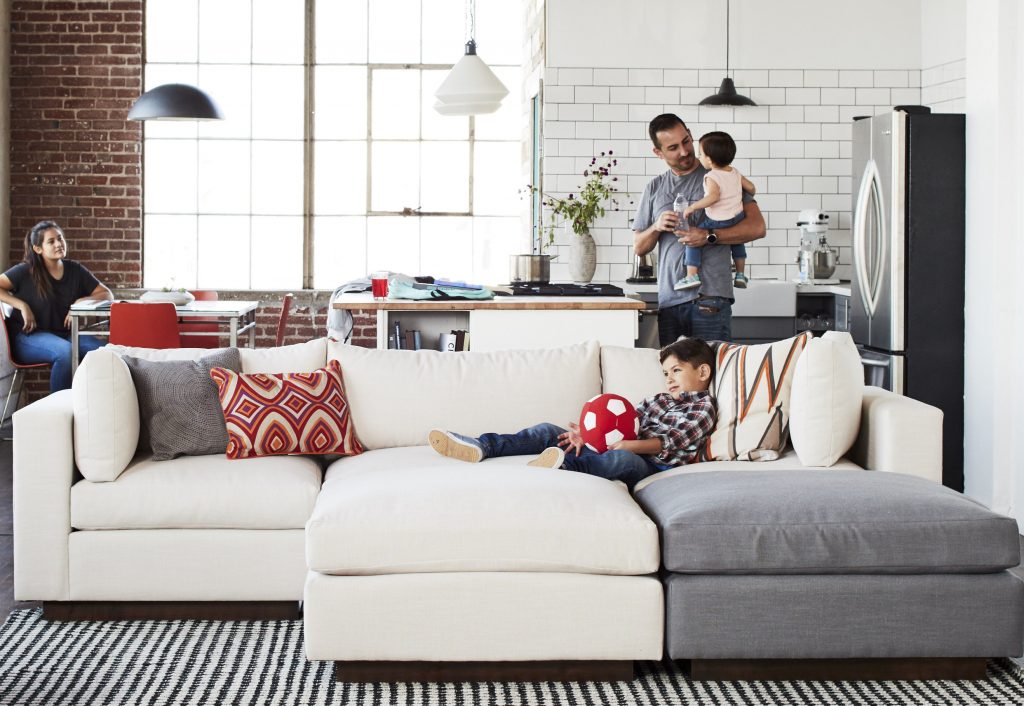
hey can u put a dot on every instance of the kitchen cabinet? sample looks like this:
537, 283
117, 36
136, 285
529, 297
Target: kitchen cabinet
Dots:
822, 308
507, 323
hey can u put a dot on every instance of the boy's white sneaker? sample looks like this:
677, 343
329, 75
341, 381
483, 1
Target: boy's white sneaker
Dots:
551, 457
457, 446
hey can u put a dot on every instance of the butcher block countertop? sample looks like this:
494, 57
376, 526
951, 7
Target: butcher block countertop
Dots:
364, 301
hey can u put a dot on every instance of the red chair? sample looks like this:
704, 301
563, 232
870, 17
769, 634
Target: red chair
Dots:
148, 325
18, 367
286, 305
191, 325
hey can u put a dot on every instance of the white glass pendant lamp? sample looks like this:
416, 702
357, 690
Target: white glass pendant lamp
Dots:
471, 88
175, 101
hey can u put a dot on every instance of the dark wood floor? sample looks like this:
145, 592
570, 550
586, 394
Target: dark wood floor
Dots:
7, 602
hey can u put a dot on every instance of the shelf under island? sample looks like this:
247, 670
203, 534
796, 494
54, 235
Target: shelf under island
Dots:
506, 322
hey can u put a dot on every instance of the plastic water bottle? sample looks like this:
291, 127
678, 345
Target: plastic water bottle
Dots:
679, 205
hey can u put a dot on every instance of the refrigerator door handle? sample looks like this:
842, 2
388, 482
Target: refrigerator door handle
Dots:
866, 266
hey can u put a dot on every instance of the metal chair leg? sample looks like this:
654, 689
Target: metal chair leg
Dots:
17, 399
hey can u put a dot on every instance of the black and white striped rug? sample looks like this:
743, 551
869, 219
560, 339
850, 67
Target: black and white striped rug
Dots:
262, 662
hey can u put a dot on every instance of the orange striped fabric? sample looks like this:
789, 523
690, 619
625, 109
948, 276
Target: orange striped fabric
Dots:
289, 413
752, 389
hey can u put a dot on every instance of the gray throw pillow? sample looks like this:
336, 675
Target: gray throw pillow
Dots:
179, 409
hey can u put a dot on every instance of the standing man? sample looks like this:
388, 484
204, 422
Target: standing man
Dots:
704, 312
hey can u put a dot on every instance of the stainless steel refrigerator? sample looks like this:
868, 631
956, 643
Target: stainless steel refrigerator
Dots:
907, 303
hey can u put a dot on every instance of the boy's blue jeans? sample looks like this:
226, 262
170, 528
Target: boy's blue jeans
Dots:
692, 257
626, 466
46, 347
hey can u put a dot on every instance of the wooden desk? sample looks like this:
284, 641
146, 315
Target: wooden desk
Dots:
238, 316
510, 322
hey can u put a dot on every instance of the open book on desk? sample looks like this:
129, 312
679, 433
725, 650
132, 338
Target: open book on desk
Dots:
93, 305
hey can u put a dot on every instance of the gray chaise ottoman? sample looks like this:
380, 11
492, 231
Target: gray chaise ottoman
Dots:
833, 574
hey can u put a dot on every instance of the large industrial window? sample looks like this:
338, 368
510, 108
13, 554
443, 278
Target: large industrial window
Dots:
331, 161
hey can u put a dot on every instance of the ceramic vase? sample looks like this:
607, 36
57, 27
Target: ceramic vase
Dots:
582, 258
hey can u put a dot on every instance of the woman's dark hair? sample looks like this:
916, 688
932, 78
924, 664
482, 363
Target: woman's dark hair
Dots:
720, 147
665, 121
36, 266
689, 350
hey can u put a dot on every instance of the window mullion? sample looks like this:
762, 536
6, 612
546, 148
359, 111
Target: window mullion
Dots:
308, 145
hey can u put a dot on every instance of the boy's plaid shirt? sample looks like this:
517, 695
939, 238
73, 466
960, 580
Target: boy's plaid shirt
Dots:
682, 424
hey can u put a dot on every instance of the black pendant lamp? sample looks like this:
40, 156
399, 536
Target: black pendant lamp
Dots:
175, 101
727, 94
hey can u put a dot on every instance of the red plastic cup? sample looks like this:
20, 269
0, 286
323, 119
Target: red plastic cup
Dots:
379, 282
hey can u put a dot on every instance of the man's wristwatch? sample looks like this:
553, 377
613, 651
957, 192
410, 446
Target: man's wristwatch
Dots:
712, 238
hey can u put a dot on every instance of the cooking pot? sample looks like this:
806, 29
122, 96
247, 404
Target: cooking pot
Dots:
535, 269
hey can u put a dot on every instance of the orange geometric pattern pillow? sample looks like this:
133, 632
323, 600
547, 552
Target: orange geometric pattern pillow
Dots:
752, 387
288, 413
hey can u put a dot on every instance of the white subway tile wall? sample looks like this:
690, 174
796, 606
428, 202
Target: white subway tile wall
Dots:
943, 87
794, 145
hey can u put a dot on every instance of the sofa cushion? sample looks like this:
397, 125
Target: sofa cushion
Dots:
824, 522
179, 411
405, 510
788, 461
634, 373
397, 397
200, 492
106, 416
752, 389
297, 358
825, 404
270, 414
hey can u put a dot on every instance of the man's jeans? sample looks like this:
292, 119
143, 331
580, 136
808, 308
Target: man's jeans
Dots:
626, 466
46, 347
707, 318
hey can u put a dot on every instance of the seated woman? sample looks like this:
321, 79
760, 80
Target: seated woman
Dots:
42, 289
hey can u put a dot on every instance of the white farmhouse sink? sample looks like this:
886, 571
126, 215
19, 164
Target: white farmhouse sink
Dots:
765, 297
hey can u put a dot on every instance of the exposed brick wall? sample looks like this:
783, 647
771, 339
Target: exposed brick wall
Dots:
76, 69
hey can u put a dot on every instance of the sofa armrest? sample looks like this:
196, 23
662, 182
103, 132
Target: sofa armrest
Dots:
44, 466
899, 434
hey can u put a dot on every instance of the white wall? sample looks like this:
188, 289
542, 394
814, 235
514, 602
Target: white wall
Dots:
943, 37
994, 389
943, 52
766, 34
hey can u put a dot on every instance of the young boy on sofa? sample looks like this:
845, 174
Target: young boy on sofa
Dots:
673, 426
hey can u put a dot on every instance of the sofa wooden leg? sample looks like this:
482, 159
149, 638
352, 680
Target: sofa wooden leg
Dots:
172, 610
562, 670
835, 669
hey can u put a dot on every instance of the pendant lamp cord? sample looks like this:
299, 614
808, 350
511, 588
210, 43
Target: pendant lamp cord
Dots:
471, 19
727, 33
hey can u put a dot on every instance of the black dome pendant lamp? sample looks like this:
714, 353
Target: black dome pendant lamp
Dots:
727, 94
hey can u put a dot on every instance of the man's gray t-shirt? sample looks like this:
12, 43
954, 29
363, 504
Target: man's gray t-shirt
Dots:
716, 260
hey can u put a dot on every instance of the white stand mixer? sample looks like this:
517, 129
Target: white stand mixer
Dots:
817, 261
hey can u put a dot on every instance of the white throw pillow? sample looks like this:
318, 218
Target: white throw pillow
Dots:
825, 402
397, 397
106, 416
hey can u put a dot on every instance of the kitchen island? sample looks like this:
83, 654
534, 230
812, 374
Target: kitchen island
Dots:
505, 322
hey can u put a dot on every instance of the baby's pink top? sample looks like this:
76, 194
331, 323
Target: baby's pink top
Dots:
730, 196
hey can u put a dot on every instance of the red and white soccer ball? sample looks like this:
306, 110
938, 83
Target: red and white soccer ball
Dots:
606, 419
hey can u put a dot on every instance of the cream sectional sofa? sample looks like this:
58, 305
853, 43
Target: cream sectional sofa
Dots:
399, 554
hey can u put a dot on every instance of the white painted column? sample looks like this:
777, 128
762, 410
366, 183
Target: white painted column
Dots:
994, 384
